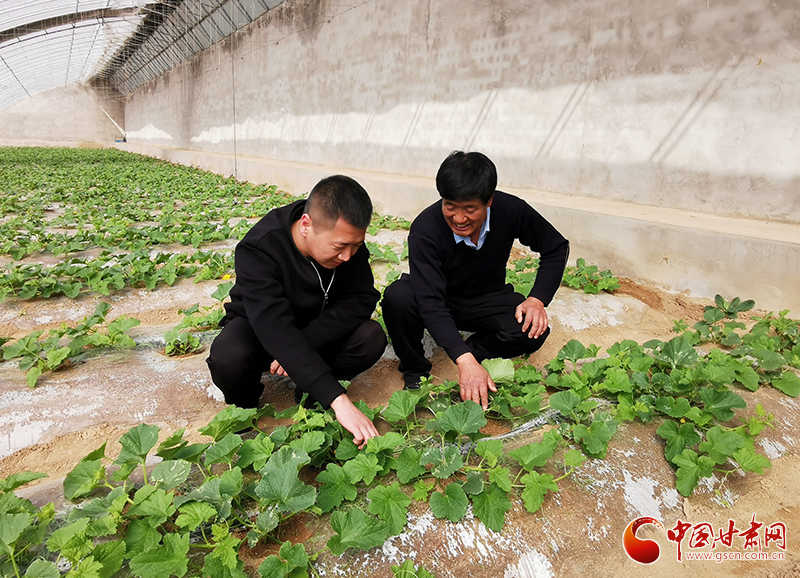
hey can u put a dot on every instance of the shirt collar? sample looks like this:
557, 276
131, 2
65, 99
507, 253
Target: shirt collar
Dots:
481, 238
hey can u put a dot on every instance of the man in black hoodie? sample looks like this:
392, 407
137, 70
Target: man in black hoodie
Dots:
302, 303
457, 251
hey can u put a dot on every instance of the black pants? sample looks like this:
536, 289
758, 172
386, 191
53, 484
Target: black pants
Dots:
490, 316
237, 359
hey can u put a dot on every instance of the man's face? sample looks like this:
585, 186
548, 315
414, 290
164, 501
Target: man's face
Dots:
332, 246
465, 218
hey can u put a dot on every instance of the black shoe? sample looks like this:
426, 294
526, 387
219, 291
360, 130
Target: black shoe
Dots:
412, 382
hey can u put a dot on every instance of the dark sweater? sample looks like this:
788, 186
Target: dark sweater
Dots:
444, 272
279, 292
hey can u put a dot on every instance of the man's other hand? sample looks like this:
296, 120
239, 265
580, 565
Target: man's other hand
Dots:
533, 316
474, 380
353, 420
277, 369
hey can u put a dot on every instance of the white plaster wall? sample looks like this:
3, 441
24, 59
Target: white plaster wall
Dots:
65, 116
685, 104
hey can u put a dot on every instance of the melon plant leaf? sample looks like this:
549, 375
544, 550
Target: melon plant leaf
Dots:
255, 452
354, 529
110, 555
452, 504
501, 477
214, 568
279, 482
83, 479
309, 442
573, 351
290, 558
336, 487
165, 560
678, 437
574, 458
223, 450
137, 442
500, 370
691, 467
491, 450
617, 381
769, 360
387, 441
445, 462
464, 418
170, 474
390, 505
86, 568
473, 484
721, 403
363, 467
565, 401
422, 490
346, 450
231, 419
595, 438
407, 570
536, 454
721, 445
11, 528
154, 503
407, 465
226, 546
491, 506
401, 405
14, 481
750, 461
536, 486
192, 514
40, 568
788, 383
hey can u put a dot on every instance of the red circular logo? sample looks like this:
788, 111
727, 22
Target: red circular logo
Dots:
642, 551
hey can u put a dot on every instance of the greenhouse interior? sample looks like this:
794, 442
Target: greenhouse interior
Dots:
647, 194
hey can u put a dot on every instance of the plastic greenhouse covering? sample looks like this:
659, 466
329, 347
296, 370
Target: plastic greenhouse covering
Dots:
119, 43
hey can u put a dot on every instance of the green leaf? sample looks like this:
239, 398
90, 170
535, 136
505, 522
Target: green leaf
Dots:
691, 467
71, 540
388, 441
14, 481
226, 546
679, 437
390, 505
720, 403
491, 507
573, 351
595, 438
354, 529
401, 405
223, 450
192, 514
42, 569
309, 442
33, 374
137, 442
110, 555
445, 462
408, 466
363, 467
165, 560
677, 353
617, 381
86, 568
464, 418
750, 461
279, 482
255, 452
170, 474
769, 360
336, 487
11, 528
500, 370
452, 504
407, 570
536, 486
421, 490
536, 454
290, 557
492, 450
788, 383
574, 458
229, 420
154, 503
501, 477
474, 483
721, 445
565, 401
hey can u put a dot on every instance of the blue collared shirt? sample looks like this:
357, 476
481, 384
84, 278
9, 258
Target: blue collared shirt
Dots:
481, 237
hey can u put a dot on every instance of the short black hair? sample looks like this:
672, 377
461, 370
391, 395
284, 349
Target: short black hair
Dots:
466, 177
336, 197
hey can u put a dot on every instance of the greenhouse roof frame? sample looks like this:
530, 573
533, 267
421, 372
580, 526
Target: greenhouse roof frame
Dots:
120, 44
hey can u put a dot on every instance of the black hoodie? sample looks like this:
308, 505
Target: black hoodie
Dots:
277, 289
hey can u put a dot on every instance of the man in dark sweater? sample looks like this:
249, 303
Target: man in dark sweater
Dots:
302, 303
458, 249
